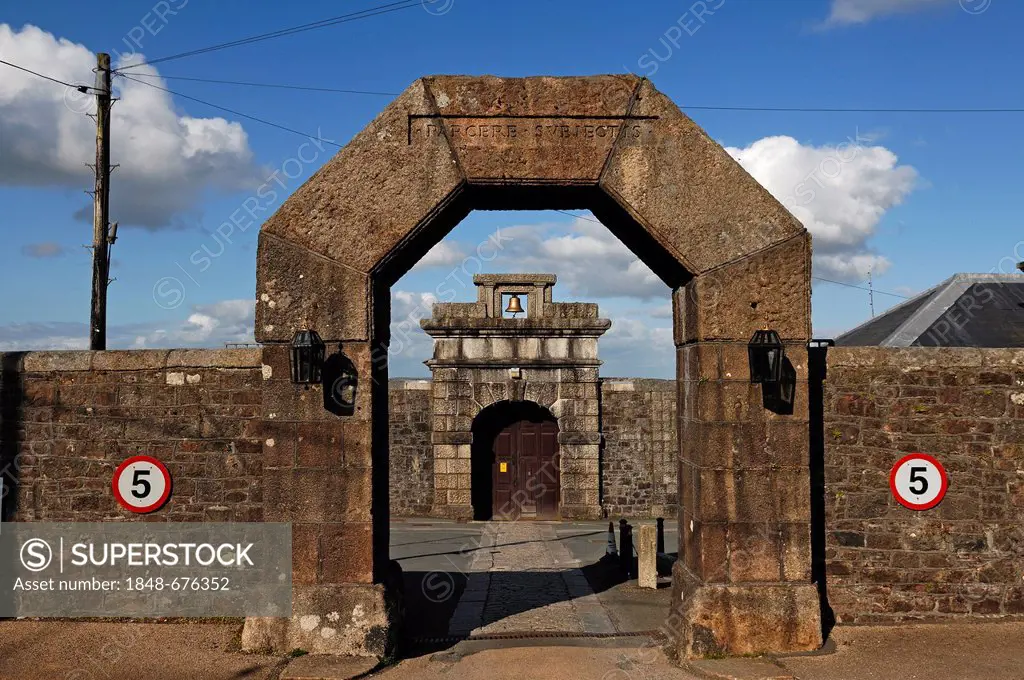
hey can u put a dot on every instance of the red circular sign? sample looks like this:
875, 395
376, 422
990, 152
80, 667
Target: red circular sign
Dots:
918, 481
142, 484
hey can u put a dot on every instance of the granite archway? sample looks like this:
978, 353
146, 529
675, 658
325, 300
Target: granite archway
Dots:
731, 253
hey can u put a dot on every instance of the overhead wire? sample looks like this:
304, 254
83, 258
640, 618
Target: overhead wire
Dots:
46, 77
853, 285
823, 110
323, 23
231, 111
796, 109
285, 128
273, 85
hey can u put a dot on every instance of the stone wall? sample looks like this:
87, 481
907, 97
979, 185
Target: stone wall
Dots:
411, 488
963, 558
69, 418
638, 419
638, 461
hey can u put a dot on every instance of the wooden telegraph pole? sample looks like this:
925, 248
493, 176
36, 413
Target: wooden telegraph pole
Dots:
101, 208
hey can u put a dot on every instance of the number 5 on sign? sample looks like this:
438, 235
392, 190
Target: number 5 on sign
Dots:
918, 481
142, 484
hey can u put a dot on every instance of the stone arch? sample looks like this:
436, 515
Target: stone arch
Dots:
733, 256
486, 396
486, 424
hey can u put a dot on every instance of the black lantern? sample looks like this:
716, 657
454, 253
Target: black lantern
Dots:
307, 357
765, 353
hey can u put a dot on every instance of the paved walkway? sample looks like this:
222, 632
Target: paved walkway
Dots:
522, 579
65, 650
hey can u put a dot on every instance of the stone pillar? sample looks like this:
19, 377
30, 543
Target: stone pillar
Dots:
318, 476
579, 443
742, 583
452, 413
453, 475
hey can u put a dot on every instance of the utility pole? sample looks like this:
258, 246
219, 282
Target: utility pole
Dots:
871, 294
101, 208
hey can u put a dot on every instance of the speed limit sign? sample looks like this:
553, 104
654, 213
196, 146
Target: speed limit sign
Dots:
142, 484
918, 481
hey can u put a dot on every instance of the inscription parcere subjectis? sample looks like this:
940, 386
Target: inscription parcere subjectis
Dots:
528, 130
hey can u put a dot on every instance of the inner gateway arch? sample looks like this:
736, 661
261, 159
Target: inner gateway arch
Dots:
732, 255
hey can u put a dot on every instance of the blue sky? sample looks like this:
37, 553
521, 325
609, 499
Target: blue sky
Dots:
913, 197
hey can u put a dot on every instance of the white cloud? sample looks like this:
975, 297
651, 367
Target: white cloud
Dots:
845, 12
206, 326
43, 250
662, 311
37, 336
167, 161
444, 254
635, 348
410, 345
839, 192
589, 260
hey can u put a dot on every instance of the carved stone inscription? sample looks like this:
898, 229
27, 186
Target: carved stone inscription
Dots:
529, 131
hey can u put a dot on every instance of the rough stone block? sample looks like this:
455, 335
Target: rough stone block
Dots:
301, 289
647, 569
346, 552
48, 362
305, 553
445, 451
754, 552
317, 495
348, 619
711, 619
697, 168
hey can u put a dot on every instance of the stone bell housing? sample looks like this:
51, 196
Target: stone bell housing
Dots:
485, 361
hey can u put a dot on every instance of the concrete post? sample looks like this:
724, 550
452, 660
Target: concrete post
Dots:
647, 557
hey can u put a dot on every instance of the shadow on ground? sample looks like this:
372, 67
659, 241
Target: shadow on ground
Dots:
431, 597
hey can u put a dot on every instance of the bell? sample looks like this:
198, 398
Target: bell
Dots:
513, 306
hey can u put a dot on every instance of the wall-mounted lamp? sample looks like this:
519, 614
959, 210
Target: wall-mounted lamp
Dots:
765, 353
770, 367
307, 354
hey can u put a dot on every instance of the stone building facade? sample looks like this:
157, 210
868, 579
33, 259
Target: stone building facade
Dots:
637, 451
483, 359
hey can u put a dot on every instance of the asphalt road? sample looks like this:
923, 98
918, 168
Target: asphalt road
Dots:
535, 575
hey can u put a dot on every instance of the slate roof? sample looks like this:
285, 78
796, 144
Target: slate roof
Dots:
965, 310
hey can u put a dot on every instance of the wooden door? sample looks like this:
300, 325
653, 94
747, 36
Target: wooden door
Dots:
525, 471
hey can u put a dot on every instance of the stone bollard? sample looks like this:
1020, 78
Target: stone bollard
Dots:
647, 562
